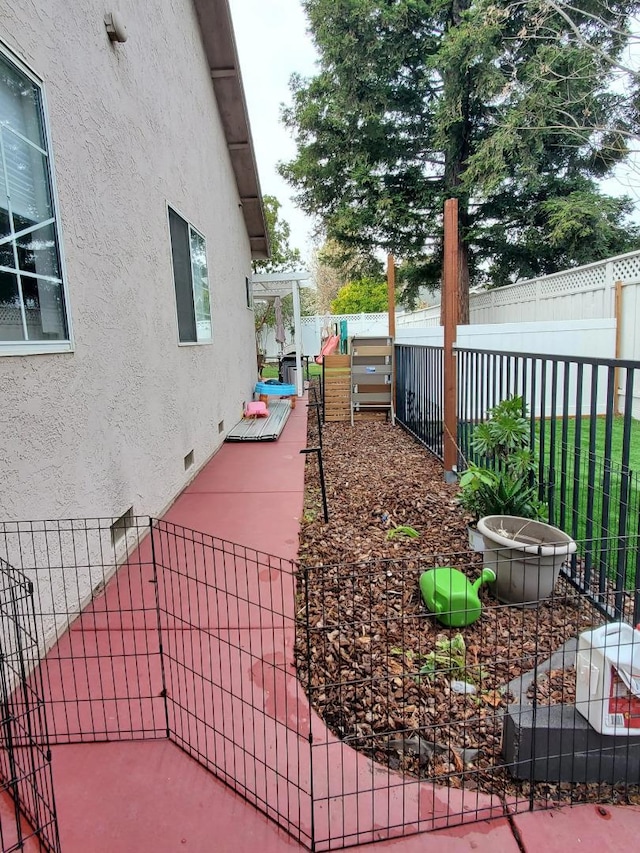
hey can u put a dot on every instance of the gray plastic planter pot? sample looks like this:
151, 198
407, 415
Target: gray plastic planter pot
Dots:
526, 556
476, 539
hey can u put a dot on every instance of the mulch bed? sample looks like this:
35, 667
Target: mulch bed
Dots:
369, 660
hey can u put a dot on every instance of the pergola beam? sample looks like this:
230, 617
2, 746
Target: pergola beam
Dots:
268, 286
298, 275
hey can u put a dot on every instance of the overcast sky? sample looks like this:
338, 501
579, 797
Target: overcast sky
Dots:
272, 44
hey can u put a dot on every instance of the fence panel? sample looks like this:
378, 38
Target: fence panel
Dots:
102, 672
327, 696
583, 450
228, 617
419, 393
431, 725
582, 293
313, 327
29, 818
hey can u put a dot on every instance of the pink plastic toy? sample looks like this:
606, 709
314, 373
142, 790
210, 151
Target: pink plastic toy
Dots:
256, 410
329, 347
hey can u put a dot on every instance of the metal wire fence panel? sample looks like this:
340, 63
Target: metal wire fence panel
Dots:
27, 811
102, 671
228, 618
430, 725
419, 393
350, 703
582, 435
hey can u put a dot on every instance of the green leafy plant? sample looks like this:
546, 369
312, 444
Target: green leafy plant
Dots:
486, 492
506, 485
449, 658
505, 436
402, 530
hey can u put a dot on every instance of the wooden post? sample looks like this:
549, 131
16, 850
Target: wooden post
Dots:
391, 293
616, 372
450, 302
297, 323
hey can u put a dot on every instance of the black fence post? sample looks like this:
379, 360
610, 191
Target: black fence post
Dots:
318, 451
152, 527
307, 625
317, 405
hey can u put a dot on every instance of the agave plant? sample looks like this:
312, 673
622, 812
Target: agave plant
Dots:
484, 491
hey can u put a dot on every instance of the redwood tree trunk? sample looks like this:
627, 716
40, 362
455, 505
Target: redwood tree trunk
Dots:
463, 271
457, 86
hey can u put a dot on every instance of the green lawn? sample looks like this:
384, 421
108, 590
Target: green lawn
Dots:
270, 371
588, 494
600, 423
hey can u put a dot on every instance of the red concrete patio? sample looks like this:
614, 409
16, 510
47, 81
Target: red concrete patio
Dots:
152, 795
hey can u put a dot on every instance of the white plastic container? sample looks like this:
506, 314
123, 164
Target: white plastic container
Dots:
608, 679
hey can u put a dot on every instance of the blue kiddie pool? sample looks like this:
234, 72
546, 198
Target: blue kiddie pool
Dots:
273, 388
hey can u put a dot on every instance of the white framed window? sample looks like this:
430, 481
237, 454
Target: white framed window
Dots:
249, 290
191, 281
33, 307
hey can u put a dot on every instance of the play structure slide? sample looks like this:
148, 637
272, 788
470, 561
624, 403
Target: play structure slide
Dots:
330, 346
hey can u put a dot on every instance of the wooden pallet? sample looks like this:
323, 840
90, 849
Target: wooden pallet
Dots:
337, 388
371, 375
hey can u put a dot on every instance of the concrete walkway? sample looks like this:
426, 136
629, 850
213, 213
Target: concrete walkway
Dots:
151, 796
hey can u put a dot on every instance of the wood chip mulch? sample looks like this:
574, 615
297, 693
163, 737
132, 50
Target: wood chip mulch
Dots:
375, 664
556, 687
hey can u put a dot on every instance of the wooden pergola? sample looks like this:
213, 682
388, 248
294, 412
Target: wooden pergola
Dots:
266, 287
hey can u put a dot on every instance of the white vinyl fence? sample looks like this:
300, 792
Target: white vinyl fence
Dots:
575, 338
583, 338
315, 328
583, 293
568, 313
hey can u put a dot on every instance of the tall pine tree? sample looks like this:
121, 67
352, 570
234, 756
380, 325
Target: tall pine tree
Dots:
514, 108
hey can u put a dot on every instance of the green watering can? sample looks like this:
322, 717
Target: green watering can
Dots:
451, 596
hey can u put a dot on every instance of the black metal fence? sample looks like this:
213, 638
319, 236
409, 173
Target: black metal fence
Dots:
431, 726
582, 429
227, 621
329, 697
419, 393
154, 631
102, 675
27, 813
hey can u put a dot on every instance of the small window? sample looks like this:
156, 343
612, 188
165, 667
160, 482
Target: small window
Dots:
191, 280
32, 302
249, 288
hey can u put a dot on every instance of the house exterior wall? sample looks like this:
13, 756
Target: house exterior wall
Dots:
134, 127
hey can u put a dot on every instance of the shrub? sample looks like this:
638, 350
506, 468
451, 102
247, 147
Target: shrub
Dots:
505, 486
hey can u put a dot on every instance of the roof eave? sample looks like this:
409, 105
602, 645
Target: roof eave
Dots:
219, 43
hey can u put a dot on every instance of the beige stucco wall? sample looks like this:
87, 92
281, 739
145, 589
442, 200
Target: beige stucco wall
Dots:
134, 126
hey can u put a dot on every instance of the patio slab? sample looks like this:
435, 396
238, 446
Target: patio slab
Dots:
265, 521
131, 797
603, 829
134, 797
241, 468
9, 829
